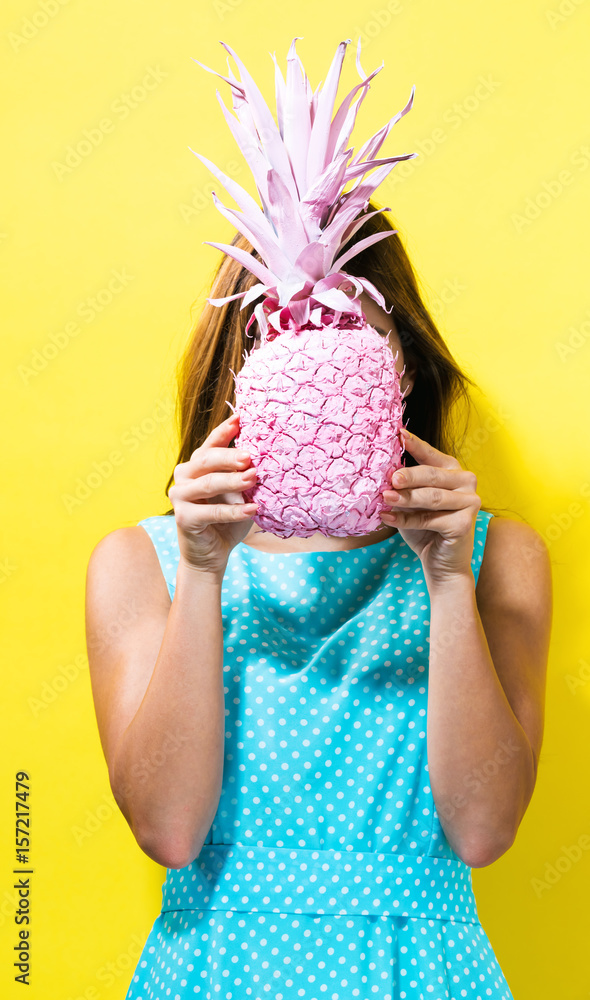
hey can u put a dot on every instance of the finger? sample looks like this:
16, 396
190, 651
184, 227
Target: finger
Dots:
197, 517
450, 524
428, 498
434, 475
426, 452
212, 460
212, 484
223, 433
217, 460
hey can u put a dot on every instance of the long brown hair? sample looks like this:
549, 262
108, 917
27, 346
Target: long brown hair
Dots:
219, 339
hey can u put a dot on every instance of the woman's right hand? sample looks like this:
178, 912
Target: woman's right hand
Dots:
211, 518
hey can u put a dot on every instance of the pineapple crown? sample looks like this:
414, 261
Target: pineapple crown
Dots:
300, 168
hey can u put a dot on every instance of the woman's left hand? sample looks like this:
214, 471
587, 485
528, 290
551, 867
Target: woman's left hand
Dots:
435, 506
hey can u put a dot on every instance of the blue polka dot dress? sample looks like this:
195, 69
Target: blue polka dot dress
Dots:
326, 872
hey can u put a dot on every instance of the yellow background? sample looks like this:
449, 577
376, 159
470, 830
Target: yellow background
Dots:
509, 291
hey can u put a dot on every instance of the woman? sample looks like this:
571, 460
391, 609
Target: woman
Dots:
320, 737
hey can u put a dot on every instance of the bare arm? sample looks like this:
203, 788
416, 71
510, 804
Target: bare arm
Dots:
157, 665
489, 650
158, 689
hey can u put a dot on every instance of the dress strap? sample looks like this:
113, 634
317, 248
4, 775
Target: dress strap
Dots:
162, 530
288, 880
481, 529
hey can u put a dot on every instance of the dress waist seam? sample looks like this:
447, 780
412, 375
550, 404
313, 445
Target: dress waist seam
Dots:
294, 880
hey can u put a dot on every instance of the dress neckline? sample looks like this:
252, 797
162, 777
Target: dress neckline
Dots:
321, 555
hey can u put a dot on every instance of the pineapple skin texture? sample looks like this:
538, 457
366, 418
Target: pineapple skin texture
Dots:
320, 413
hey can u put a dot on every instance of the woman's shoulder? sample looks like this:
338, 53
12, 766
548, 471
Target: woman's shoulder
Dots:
135, 549
119, 543
129, 537
506, 533
515, 564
